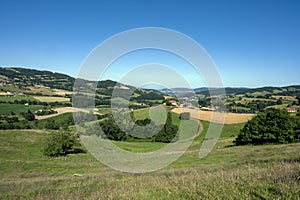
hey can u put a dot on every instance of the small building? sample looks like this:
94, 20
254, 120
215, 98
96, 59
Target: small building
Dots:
291, 109
174, 102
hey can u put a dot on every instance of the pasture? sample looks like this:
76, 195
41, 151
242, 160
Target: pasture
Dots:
18, 108
18, 98
40, 89
248, 172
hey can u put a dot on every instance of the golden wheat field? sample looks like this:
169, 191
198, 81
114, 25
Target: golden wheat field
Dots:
51, 99
217, 117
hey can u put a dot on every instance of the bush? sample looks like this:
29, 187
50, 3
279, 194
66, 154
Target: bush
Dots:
45, 112
169, 131
62, 143
185, 116
273, 126
28, 115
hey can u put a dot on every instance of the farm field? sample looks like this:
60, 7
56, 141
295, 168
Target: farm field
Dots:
39, 89
60, 111
250, 172
51, 99
18, 98
230, 118
17, 108
62, 92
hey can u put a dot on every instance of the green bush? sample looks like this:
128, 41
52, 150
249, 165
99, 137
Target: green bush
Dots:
111, 130
62, 143
169, 131
185, 116
28, 115
273, 126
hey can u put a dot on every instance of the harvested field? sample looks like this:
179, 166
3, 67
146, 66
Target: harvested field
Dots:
61, 111
40, 89
230, 118
290, 98
51, 99
62, 92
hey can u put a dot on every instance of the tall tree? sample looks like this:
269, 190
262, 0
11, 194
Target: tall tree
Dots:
272, 126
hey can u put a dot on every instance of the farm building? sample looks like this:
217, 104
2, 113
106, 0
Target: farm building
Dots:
291, 109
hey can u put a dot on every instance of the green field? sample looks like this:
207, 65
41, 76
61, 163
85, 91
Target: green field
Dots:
244, 172
19, 98
11, 88
18, 108
61, 120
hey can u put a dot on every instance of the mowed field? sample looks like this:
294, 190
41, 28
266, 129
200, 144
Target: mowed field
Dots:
226, 118
61, 111
51, 99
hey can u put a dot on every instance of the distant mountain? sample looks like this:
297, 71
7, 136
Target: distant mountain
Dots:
204, 90
21, 79
293, 90
287, 90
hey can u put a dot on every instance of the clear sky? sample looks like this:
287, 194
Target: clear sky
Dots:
253, 42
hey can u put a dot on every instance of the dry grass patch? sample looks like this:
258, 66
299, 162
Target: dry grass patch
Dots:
51, 99
290, 98
62, 92
61, 111
40, 89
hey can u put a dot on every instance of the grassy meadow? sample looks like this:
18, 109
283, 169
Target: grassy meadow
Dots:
18, 98
18, 108
228, 172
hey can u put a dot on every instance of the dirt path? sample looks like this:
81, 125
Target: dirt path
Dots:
200, 129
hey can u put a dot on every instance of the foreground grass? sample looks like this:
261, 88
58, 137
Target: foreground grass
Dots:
249, 172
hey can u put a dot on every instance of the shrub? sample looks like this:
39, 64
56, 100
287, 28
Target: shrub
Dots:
62, 143
169, 131
28, 115
185, 116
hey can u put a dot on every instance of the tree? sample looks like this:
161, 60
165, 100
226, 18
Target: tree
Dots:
298, 98
112, 130
185, 116
279, 102
272, 126
28, 115
169, 131
62, 143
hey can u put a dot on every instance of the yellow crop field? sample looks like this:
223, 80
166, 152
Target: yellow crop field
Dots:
227, 118
51, 99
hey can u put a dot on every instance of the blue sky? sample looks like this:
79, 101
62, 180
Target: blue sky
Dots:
253, 42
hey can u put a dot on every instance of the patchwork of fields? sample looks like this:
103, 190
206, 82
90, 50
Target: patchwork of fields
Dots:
228, 172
